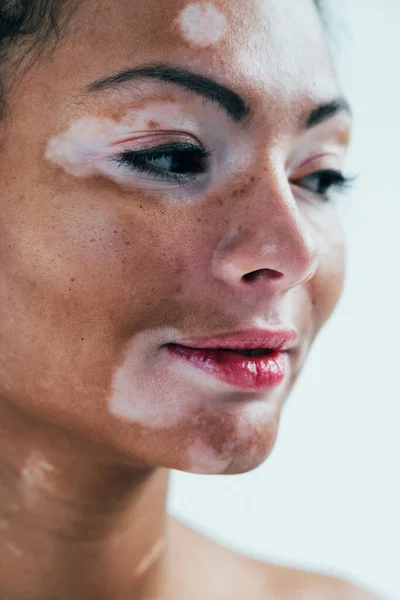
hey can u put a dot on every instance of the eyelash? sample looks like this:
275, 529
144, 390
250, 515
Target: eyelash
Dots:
193, 156
328, 180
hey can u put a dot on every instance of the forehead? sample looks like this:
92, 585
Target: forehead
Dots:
274, 50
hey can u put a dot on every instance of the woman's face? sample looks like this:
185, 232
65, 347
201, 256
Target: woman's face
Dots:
109, 252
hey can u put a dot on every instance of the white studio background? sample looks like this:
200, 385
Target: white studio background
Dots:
328, 498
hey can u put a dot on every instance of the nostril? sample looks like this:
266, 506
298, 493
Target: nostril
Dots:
263, 273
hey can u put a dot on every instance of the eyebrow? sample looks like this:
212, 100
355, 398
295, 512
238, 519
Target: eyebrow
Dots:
327, 111
227, 99
231, 102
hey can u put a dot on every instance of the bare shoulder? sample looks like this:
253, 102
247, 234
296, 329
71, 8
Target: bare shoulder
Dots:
212, 570
296, 584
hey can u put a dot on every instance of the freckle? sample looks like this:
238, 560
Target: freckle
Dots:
93, 240
252, 179
116, 116
140, 206
82, 339
153, 124
127, 243
234, 193
72, 278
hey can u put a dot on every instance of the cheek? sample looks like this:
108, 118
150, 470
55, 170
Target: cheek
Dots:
327, 285
85, 252
76, 278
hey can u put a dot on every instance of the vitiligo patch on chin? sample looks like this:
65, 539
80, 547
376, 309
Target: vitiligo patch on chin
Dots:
202, 24
204, 459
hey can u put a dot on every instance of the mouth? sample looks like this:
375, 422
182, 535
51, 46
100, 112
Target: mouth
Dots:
252, 340
249, 353
252, 370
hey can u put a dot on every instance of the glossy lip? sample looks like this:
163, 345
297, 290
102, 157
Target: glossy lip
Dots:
252, 339
255, 374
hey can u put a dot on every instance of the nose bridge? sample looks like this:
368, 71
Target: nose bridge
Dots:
269, 239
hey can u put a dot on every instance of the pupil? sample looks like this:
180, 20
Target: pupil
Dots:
177, 162
324, 184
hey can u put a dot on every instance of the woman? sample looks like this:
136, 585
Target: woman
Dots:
167, 173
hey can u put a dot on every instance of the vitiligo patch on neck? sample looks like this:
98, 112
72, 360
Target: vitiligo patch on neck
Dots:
202, 24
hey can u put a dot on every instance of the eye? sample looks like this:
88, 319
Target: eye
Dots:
179, 161
322, 182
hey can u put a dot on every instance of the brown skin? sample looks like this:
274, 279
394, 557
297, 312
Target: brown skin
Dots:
86, 265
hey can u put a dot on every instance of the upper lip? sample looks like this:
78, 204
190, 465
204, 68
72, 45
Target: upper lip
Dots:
251, 339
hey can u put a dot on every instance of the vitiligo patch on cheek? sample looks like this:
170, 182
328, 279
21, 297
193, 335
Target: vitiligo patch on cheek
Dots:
202, 24
149, 395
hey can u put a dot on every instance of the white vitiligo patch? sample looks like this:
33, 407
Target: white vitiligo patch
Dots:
35, 476
91, 146
202, 24
204, 459
81, 149
85, 147
159, 392
150, 557
14, 550
152, 389
155, 391
270, 248
242, 450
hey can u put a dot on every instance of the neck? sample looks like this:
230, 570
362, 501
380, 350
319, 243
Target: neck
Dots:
73, 522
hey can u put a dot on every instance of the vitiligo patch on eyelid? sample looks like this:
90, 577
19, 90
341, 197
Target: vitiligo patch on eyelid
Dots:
83, 149
202, 24
91, 145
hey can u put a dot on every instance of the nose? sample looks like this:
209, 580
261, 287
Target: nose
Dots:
269, 246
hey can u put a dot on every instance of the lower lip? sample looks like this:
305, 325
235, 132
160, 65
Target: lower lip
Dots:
255, 374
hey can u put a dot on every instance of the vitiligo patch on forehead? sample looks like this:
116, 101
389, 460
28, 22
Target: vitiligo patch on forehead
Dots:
202, 24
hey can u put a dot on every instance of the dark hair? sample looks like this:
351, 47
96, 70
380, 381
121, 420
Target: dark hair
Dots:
26, 25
